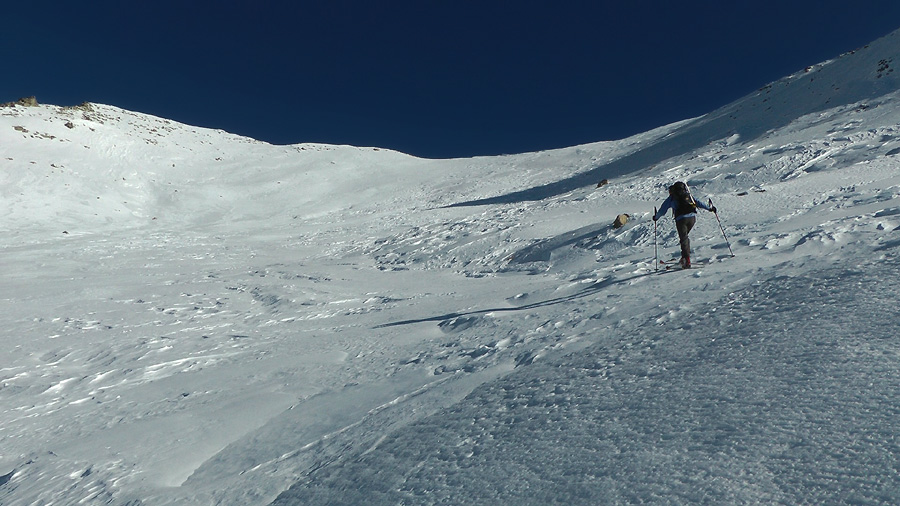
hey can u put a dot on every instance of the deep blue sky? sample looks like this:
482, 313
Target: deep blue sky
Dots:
430, 78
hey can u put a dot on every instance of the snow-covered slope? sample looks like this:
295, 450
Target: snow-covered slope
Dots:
193, 317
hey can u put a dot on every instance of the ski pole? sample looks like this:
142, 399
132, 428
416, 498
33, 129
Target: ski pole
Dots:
722, 229
655, 244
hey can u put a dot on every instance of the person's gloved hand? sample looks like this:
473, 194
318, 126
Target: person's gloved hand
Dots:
655, 218
713, 209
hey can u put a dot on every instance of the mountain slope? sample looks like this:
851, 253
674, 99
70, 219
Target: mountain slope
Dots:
859, 78
194, 317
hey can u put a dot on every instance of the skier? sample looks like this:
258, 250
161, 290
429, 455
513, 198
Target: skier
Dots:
684, 207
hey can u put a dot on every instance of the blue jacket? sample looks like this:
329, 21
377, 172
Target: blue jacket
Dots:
670, 204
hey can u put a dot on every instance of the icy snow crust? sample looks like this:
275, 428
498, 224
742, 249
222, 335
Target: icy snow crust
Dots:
193, 317
757, 398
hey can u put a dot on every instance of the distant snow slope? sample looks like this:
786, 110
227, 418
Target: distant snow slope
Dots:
193, 317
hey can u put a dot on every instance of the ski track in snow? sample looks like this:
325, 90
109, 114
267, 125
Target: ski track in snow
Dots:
193, 317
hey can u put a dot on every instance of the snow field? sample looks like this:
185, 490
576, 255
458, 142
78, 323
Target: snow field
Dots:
754, 398
192, 317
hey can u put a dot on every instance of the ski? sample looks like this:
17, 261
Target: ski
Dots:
676, 263
703, 262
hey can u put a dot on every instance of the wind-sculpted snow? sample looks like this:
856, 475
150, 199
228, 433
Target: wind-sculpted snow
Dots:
192, 317
781, 393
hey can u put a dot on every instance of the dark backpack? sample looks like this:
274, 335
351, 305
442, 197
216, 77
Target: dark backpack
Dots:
682, 199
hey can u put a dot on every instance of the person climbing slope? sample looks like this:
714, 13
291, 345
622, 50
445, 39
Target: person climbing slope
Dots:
684, 207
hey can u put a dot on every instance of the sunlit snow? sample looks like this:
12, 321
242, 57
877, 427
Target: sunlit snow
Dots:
194, 317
